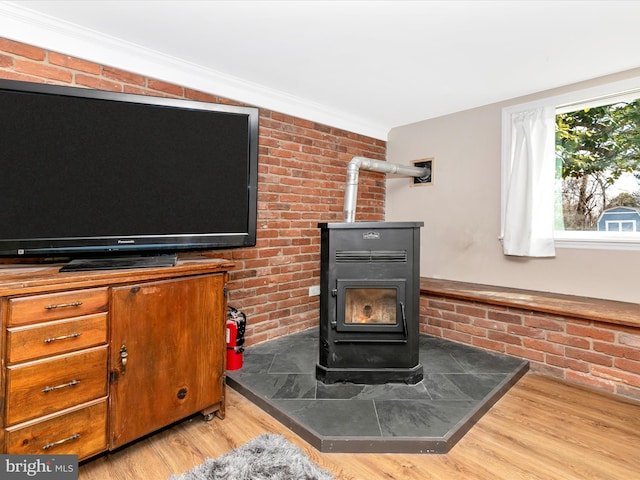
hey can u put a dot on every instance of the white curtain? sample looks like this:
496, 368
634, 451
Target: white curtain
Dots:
529, 206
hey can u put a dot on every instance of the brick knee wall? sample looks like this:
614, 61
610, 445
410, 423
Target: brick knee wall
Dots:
592, 353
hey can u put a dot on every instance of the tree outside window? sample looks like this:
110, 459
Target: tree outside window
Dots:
598, 163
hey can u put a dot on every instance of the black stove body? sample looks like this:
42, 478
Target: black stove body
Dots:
369, 303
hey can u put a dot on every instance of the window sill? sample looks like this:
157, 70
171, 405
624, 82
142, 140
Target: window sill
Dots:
596, 241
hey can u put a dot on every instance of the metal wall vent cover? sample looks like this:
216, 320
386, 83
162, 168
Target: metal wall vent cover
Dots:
371, 256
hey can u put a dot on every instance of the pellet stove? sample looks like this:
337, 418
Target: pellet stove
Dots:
369, 292
369, 301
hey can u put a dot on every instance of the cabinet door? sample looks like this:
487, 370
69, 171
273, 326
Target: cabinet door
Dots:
167, 353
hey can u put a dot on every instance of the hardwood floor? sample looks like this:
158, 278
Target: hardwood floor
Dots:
541, 429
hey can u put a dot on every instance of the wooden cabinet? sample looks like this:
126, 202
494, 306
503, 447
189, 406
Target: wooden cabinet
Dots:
94, 360
170, 332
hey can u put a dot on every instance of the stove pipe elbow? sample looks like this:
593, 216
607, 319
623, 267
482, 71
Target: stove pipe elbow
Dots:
353, 170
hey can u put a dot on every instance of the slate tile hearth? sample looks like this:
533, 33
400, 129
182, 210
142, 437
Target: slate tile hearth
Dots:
460, 384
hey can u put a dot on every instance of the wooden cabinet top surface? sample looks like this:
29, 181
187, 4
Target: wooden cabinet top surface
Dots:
27, 279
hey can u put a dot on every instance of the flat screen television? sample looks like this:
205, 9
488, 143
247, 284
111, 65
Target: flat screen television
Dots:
93, 174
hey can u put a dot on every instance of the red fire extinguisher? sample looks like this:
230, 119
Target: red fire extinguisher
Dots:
236, 325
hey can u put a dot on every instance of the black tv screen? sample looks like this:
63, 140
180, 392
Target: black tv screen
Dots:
89, 172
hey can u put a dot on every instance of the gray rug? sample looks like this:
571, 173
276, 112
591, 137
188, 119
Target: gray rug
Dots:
267, 457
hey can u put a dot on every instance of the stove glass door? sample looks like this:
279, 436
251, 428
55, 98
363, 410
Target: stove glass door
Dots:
371, 305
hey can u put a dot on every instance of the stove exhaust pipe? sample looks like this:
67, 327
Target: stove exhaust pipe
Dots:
353, 169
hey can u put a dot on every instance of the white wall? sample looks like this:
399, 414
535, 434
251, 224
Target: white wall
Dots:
461, 210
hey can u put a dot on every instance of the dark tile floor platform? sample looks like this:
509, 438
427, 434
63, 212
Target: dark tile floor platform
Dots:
460, 384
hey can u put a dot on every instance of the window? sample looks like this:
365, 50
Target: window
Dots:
596, 186
620, 226
598, 158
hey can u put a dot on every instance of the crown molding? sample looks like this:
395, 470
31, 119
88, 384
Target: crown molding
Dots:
24, 25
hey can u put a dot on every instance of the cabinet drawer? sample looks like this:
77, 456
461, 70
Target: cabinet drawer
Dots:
56, 337
54, 306
46, 386
81, 432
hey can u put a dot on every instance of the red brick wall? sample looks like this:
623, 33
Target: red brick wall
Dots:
600, 355
302, 174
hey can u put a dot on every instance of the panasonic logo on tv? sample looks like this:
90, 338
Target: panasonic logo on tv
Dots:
121, 242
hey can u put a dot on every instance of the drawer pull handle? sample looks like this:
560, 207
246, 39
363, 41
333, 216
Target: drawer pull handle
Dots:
63, 305
60, 442
58, 387
62, 337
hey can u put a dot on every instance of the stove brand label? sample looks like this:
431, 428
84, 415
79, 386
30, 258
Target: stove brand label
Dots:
371, 236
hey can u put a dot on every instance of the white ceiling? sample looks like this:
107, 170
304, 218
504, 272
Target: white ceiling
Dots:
366, 66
